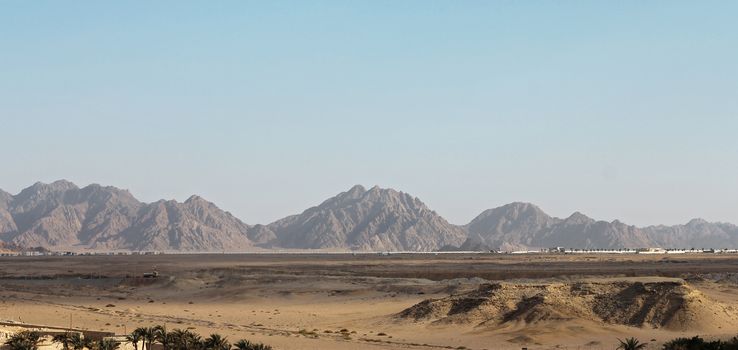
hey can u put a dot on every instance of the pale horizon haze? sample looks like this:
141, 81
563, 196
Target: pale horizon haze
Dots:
619, 110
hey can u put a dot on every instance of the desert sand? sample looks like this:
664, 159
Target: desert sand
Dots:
414, 301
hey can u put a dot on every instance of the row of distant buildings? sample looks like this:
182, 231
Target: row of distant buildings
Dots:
552, 250
50, 253
8, 328
563, 250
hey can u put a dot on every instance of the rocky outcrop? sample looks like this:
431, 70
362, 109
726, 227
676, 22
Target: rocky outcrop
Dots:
670, 304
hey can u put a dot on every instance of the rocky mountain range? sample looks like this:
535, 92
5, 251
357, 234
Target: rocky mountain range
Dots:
522, 226
518, 226
376, 220
62, 216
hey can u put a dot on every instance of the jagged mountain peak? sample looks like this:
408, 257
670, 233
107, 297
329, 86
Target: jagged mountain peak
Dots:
697, 222
100, 192
60, 185
519, 208
356, 190
359, 194
99, 187
577, 218
353, 194
521, 205
200, 205
507, 226
63, 216
377, 193
510, 212
374, 219
195, 199
41, 188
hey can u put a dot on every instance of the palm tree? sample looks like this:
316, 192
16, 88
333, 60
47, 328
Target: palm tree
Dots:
216, 342
107, 344
631, 344
163, 337
146, 335
185, 340
134, 338
176, 337
194, 342
78, 342
25, 340
244, 344
63, 339
150, 337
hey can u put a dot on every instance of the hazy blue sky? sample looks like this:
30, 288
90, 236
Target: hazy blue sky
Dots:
619, 109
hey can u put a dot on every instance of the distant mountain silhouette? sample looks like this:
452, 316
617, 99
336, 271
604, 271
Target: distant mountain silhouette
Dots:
375, 219
523, 225
62, 216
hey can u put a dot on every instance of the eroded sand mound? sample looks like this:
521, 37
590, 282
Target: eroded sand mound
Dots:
670, 304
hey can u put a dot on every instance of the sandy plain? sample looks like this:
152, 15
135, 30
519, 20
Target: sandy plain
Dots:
345, 301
